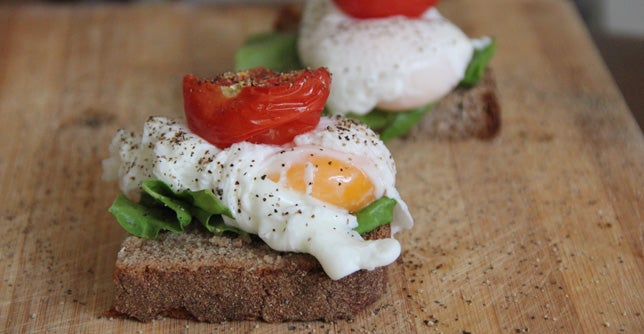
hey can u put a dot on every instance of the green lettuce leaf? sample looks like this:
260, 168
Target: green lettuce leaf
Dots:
143, 221
202, 204
392, 125
376, 214
476, 68
160, 208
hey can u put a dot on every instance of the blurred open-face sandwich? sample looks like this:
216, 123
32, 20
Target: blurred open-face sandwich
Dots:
254, 207
398, 66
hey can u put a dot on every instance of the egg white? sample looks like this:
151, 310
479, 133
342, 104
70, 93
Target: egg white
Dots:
285, 219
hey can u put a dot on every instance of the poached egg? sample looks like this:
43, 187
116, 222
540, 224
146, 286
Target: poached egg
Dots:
394, 63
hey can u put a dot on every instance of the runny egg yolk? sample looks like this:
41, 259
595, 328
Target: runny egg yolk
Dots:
330, 180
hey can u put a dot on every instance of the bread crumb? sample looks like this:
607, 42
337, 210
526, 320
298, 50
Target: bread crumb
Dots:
220, 241
241, 241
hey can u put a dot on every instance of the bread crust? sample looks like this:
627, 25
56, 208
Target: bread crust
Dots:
214, 279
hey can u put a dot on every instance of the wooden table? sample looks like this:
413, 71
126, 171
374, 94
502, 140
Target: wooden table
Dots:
538, 230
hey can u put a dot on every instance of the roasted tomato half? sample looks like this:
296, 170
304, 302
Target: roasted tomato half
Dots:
256, 105
368, 9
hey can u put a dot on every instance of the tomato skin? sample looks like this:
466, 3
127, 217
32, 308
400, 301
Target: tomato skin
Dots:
369, 9
269, 108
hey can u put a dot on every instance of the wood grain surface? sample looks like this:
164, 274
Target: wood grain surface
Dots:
539, 230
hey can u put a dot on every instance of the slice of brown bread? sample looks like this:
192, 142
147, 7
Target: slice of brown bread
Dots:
208, 278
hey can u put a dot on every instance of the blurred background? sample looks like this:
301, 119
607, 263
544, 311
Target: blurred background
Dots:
616, 26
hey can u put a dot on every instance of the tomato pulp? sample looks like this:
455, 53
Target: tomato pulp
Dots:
255, 105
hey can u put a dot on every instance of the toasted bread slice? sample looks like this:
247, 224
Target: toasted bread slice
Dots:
209, 278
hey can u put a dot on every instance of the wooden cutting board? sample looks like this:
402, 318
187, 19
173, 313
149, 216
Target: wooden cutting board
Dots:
539, 230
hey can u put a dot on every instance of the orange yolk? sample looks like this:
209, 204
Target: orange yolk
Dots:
330, 180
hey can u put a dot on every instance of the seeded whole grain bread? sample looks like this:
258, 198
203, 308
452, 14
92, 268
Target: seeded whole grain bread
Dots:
199, 276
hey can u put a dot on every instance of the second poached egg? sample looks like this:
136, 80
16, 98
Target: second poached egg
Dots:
393, 63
